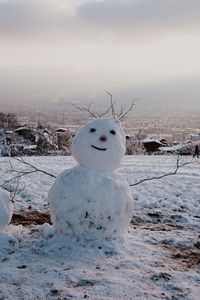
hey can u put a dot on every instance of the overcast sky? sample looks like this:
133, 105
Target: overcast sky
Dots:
79, 48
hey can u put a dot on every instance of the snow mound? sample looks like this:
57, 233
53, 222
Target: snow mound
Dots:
89, 204
10, 238
6, 209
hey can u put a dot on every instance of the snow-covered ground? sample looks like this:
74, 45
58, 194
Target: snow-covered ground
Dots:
158, 258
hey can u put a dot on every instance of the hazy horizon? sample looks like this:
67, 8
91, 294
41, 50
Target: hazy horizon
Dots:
54, 49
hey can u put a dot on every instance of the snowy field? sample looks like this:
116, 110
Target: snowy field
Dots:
158, 258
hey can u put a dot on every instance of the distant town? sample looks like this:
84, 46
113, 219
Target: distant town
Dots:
49, 128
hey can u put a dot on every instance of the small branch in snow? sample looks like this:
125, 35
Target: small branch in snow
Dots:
35, 169
178, 166
17, 190
21, 173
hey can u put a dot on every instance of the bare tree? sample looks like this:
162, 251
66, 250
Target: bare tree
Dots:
8, 120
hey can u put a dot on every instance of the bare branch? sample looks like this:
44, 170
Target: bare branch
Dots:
35, 169
104, 113
111, 103
178, 166
17, 190
14, 189
16, 177
123, 113
21, 173
86, 109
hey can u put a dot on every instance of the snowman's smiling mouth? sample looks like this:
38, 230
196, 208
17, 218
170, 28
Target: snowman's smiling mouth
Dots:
101, 149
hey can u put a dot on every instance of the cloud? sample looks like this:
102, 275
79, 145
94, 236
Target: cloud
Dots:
35, 17
142, 14
79, 45
17, 16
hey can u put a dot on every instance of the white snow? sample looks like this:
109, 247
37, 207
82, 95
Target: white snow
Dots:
20, 128
5, 209
30, 147
172, 148
149, 262
90, 201
90, 204
151, 140
100, 144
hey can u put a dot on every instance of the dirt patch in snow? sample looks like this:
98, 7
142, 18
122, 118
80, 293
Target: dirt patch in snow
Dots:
181, 256
27, 218
155, 223
187, 256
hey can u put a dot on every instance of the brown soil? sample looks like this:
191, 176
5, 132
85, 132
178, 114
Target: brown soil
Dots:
187, 256
30, 218
168, 226
181, 256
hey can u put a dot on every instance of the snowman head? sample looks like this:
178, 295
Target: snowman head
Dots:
100, 144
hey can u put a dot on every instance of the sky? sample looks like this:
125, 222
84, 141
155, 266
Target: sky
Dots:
78, 49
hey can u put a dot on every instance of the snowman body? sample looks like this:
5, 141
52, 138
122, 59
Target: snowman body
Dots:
92, 200
6, 209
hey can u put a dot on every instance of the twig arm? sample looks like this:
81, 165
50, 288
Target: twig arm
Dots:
35, 168
178, 166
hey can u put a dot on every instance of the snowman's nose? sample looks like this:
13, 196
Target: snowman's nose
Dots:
103, 138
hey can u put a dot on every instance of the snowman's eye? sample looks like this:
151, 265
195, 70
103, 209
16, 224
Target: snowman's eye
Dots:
92, 130
112, 132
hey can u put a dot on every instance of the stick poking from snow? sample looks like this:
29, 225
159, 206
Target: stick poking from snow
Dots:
178, 166
21, 173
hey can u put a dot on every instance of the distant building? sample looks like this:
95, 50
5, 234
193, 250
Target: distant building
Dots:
61, 130
163, 141
152, 145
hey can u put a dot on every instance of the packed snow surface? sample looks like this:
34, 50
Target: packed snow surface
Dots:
100, 144
158, 258
5, 209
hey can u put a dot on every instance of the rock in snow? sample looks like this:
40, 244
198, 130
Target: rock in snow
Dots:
91, 200
6, 209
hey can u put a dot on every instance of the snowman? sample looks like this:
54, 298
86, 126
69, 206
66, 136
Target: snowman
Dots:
6, 209
92, 200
